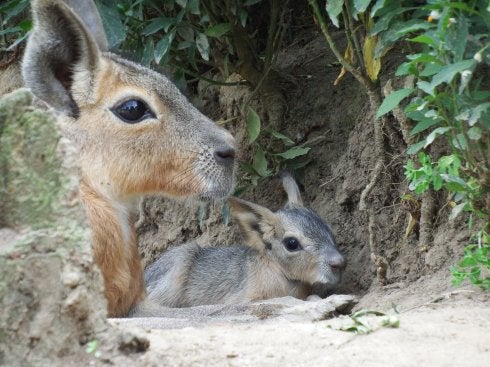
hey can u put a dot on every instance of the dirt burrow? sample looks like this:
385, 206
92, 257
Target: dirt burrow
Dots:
53, 297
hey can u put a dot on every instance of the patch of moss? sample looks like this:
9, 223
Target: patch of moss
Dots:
30, 178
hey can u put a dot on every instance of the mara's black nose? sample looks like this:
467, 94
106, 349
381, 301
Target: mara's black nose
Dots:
225, 156
337, 262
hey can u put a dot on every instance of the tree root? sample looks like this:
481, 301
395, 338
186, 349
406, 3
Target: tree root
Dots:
426, 224
379, 261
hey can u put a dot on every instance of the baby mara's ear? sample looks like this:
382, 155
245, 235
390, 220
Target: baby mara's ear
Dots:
61, 49
258, 224
292, 190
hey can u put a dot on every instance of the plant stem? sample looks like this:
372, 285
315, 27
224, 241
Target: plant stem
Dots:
353, 35
363, 79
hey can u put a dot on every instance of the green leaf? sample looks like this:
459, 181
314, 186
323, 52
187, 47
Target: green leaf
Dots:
10, 30
218, 30
148, 52
186, 32
477, 112
460, 142
158, 24
448, 72
423, 38
243, 16
182, 3
202, 44
184, 44
392, 100
434, 134
437, 182
193, 6
163, 46
414, 148
456, 38
474, 133
403, 69
11, 9
383, 23
379, 5
423, 125
430, 69
361, 5
260, 163
397, 31
412, 26
294, 152
286, 140
426, 87
91, 346
253, 125
456, 211
113, 26
251, 2
454, 183
334, 8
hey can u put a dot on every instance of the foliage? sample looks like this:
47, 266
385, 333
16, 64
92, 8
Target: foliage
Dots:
366, 321
475, 264
13, 31
178, 34
265, 162
452, 46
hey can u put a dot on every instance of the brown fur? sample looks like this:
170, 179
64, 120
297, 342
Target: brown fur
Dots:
175, 150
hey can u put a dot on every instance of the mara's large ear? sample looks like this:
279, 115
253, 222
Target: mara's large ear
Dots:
292, 190
258, 224
87, 11
60, 47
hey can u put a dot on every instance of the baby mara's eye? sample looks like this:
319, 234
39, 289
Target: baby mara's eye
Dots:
133, 111
291, 244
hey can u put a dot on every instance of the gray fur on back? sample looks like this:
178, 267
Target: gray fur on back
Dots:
223, 268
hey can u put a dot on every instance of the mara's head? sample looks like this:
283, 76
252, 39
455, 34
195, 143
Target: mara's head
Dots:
136, 132
301, 242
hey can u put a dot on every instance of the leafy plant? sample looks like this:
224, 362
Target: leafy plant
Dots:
449, 103
265, 162
475, 264
13, 31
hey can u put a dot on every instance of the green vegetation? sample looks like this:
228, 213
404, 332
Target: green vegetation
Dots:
450, 104
450, 46
12, 30
366, 321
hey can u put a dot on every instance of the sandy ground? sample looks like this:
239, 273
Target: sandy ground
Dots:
451, 330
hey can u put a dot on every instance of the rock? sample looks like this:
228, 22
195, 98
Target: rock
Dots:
51, 291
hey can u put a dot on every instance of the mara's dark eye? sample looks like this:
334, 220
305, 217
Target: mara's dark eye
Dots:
133, 111
291, 244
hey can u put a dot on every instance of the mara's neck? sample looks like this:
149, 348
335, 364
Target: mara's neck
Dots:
271, 281
115, 249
